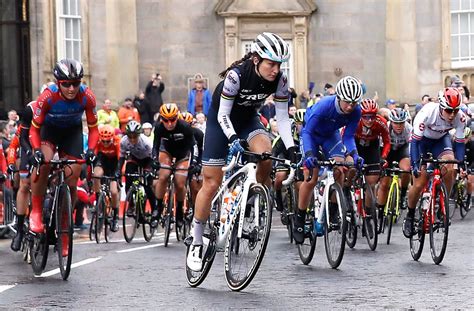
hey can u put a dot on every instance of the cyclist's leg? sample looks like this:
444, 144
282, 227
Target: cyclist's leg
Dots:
259, 143
161, 185
98, 172
38, 189
444, 150
22, 198
404, 164
277, 185
180, 179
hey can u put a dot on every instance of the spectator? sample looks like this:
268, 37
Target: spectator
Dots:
12, 115
143, 107
201, 121
291, 97
199, 98
4, 134
153, 92
292, 111
148, 130
424, 100
107, 116
391, 104
273, 128
127, 113
268, 109
304, 99
329, 89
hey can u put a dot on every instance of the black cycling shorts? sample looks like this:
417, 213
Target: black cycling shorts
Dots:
371, 155
69, 141
399, 154
109, 165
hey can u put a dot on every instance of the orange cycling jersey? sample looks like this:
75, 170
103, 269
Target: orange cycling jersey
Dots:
12, 149
110, 151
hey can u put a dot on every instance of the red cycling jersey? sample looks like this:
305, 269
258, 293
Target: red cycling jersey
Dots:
52, 108
110, 151
13, 148
365, 135
3, 164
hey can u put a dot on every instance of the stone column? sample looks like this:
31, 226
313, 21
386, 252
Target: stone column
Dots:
122, 49
300, 56
231, 40
401, 63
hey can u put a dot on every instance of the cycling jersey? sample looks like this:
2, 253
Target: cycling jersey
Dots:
323, 121
430, 126
199, 139
365, 135
52, 110
243, 92
25, 123
398, 141
111, 150
3, 164
141, 150
178, 142
13, 148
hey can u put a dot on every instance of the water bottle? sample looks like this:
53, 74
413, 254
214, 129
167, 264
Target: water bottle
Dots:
225, 208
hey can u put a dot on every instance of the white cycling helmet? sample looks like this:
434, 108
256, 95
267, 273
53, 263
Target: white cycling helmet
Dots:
349, 89
271, 46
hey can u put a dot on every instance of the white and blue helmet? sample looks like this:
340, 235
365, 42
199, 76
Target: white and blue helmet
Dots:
271, 46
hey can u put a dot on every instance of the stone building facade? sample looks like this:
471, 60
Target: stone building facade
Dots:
399, 48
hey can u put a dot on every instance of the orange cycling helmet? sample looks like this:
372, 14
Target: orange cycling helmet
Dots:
186, 116
369, 106
106, 132
169, 111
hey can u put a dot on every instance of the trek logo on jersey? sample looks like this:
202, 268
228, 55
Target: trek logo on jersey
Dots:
249, 97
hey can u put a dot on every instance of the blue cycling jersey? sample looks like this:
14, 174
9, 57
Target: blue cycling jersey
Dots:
323, 119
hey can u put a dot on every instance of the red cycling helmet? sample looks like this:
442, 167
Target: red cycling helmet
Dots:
369, 106
106, 133
449, 98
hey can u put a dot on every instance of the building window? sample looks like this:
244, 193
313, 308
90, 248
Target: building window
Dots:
69, 29
462, 33
286, 67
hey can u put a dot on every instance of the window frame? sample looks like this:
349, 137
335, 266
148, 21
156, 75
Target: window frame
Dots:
75, 20
456, 35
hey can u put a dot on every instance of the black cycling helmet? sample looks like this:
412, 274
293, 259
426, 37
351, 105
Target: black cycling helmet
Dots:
68, 69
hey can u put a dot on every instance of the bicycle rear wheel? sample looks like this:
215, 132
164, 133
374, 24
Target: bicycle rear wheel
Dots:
391, 211
306, 249
100, 215
167, 218
92, 226
439, 226
64, 230
335, 230
461, 201
244, 255
370, 220
130, 216
417, 241
39, 248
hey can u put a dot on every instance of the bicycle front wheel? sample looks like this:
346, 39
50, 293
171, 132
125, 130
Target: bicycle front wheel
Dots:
439, 225
370, 220
335, 229
99, 217
130, 216
243, 255
351, 231
417, 241
461, 201
64, 230
391, 211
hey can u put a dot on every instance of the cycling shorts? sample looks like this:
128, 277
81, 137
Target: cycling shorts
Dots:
399, 154
216, 143
69, 141
438, 147
24, 163
331, 146
179, 155
109, 165
371, 155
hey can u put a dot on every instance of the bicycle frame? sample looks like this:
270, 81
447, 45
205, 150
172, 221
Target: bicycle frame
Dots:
433, 182
329, 181
394, 186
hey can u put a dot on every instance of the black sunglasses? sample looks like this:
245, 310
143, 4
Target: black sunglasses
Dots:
451, 111
68, 84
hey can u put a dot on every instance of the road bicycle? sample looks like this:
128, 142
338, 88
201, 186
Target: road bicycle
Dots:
391, 211
361, 196
57, 219
243, 234
329, 209
432, 213
102, 213
458, 198
169, 203
135, 213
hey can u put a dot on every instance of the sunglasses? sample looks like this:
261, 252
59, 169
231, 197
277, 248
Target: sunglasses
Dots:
350, 103
451, 111
172, 120
68, 84
132, 136
106, 142
368, 117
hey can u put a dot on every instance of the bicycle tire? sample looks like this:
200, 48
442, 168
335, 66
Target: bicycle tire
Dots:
392, 210
291, 205
461, 201
371, 216
168, 216
130, 217
64, 230
92, 226
417, 241
148, 229
253, 238
453, 200
39, 248
108, 233
335, 253
351, 231
439, 225
195, 278
100, 215
306, 249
